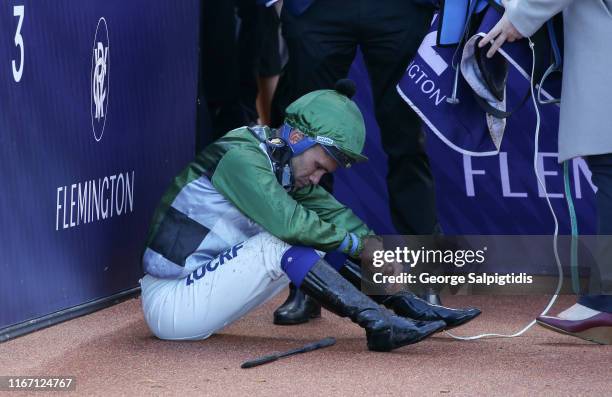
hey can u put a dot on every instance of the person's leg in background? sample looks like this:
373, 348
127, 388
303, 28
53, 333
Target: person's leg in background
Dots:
250, 44
591, 317
269, 63
322, 44
394, 30
219, 69
601, 168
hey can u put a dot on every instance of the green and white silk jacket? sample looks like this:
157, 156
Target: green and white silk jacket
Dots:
230, 193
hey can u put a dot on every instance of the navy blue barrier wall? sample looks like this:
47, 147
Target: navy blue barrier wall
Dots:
97, 114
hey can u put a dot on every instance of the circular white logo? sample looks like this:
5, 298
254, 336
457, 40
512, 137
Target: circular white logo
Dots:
100, 71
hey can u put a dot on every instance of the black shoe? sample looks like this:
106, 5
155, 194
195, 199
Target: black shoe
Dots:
407, 304
384, 330
297, 309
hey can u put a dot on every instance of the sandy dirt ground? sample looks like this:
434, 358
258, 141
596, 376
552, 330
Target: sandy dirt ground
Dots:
112, 352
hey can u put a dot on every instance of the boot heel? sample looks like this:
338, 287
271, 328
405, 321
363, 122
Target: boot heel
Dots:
378, 340
316, 311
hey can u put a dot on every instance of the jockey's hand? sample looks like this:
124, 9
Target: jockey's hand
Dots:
371, 244
503, 31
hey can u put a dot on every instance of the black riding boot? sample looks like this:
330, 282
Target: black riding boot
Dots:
407, 304
384, 330
297, 309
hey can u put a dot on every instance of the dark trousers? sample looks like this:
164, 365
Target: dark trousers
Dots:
601, 167
230, 43
322, 43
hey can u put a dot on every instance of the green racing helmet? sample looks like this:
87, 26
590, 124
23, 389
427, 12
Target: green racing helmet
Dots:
331, 119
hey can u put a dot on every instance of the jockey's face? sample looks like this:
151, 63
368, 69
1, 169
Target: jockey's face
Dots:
310, 166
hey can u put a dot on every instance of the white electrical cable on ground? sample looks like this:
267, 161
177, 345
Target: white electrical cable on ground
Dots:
552, 211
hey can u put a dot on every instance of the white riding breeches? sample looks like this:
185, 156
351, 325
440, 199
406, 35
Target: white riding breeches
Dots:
216, 294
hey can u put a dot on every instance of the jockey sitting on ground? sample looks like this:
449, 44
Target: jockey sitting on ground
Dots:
247, 216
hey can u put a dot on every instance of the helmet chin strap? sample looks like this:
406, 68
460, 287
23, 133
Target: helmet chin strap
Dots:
282, 167
287, 177
280, 155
